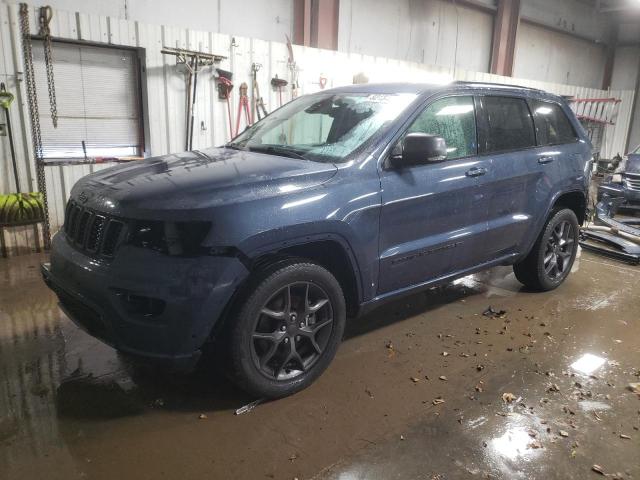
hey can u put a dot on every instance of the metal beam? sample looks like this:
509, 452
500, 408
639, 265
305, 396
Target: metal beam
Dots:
610, 57
505, 29
315, 23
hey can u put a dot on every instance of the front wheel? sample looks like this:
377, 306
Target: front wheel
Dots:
287, 329
553, 254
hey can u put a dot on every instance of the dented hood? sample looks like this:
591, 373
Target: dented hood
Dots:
193, 182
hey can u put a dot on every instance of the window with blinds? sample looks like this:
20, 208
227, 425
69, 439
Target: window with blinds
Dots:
97, 92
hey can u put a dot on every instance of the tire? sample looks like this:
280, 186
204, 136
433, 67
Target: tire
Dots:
538, 274
284, 350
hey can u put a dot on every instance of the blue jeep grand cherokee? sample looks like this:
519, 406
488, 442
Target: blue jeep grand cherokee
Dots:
329, 206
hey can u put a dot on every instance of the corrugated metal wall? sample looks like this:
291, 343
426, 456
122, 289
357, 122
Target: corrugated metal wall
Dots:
165, 90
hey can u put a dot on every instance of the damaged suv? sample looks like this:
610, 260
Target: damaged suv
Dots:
334, 203
625, 182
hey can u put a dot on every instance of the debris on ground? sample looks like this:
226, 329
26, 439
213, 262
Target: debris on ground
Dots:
563, 433
202, 416
626, 437
634, 387
443, 378
368, 392
158, 402
438, 400
508, 397
401, 437
248, 407
534, 444
479, 367
390, 350
598, 469
490, 312
445, 354
553, 387
415, 379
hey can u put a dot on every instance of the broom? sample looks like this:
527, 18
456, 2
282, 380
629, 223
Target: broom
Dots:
17, 208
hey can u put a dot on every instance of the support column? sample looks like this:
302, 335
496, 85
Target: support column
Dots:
610, 56
505, 29
315, 23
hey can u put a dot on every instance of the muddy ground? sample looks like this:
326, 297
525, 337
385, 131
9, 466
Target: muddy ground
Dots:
426, 387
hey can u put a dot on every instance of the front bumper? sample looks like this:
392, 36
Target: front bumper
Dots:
142, 302
632, 197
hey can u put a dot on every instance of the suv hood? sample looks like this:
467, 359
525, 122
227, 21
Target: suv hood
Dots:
196, 181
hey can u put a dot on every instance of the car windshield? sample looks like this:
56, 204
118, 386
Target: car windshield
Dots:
323, 127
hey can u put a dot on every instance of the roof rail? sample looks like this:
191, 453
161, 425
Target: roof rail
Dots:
496, 85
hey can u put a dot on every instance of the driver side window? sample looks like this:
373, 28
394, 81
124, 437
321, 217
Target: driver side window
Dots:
452, 118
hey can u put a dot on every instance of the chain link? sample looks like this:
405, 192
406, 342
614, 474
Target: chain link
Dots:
45, 18
32, 100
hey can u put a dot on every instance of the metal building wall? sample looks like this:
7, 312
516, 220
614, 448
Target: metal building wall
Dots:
165, 90
437, 32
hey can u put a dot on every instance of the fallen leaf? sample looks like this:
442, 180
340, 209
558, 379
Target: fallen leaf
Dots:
438, 401
415, 379
535, 445
445, 354
626, 437
508, 397
442, 377
634, 387
598, 469
553, 388
202, 416
479, 367
563, 433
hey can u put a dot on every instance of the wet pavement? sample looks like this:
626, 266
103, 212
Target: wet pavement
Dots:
426, 387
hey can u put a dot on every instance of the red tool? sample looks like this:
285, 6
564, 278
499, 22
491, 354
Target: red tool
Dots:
243, 105
224, 92
279, 84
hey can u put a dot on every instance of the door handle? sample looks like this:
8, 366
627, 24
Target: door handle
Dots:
543, 160
476, 172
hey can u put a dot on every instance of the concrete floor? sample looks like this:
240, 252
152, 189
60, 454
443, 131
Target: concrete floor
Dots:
70, 407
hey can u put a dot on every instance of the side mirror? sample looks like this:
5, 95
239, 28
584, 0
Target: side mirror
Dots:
420, 148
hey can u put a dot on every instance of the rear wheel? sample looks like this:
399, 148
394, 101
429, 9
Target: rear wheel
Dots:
553, 254
287, 329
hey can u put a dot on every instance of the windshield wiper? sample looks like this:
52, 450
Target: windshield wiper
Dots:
278, 150
234, 146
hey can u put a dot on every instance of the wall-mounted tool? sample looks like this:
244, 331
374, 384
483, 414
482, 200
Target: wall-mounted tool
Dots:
193, 61
257, 103
224, 93
243, 106
293, 68
279, 84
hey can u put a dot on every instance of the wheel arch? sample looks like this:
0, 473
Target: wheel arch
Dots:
575, 200
329, 251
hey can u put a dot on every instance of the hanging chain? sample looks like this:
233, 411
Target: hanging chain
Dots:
32, 99
45, 18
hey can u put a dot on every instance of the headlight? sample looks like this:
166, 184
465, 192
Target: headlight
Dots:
171, 238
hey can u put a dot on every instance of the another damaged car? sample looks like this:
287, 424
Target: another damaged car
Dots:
624, 182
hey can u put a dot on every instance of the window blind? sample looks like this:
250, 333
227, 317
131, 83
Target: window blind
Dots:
97, 102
